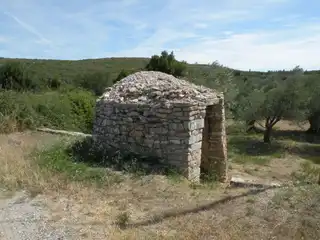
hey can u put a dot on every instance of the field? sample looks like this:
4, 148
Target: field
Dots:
97, 203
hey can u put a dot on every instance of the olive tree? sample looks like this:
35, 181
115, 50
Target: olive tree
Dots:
312, 99
272, 102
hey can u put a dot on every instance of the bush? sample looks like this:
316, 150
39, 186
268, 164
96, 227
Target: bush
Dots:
54, 83
123, 73
82, 109
95, 82
72, 110
16, 112
13, 76
167, 63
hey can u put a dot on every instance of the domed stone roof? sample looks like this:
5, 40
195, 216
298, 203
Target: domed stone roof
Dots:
152, 87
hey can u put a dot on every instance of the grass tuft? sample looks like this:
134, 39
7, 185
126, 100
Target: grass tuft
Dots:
58, 160
123, 219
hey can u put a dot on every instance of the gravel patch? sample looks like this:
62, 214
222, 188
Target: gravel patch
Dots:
23, 218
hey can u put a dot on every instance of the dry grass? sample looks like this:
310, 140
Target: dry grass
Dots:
16, 169
160, 207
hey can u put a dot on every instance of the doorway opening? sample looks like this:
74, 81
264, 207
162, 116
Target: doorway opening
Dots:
206, 144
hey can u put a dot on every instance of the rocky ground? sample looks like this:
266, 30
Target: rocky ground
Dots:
24, 217
151, 207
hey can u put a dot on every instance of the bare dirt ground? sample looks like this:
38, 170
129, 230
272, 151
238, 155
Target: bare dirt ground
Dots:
150, 207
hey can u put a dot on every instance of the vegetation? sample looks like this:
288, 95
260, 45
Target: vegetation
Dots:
95, 82
273, 101
123, 73
167, 63
61, 93
14, 77
72, 110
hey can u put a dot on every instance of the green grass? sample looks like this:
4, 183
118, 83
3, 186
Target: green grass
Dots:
78, 160
315, 159
174, 176
57, 160
244, 159
249, 149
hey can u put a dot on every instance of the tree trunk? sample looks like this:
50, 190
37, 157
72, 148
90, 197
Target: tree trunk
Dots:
314, 122
267, 134
270, 122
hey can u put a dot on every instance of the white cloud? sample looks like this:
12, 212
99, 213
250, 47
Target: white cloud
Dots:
259, 50
253, 52
240, 34
29, 28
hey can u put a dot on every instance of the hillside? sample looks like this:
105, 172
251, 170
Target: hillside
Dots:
66, 69
70, 69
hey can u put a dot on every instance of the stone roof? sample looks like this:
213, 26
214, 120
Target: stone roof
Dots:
152, 87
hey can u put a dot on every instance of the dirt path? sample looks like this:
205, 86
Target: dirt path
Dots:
22, 217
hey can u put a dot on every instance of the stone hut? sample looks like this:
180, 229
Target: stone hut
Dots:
155, 114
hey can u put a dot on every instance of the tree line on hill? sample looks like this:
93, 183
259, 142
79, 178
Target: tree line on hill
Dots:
270, 96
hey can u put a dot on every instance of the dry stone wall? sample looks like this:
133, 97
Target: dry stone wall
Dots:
173, 134
155, 114
214, 157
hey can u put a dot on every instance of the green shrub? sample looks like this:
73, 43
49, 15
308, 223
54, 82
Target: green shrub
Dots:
54, 83
16, 111
167, 63
71, 110
95, 82
82, 109
13, 76
123, 73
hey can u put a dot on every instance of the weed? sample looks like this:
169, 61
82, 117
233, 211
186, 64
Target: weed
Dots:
250, 211
245, 159
281, 196
174, 176
123, 219
251, 200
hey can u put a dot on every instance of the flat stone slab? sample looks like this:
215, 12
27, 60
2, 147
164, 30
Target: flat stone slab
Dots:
237, 181
62, 132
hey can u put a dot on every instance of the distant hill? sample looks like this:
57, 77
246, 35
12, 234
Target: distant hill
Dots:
68, 69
